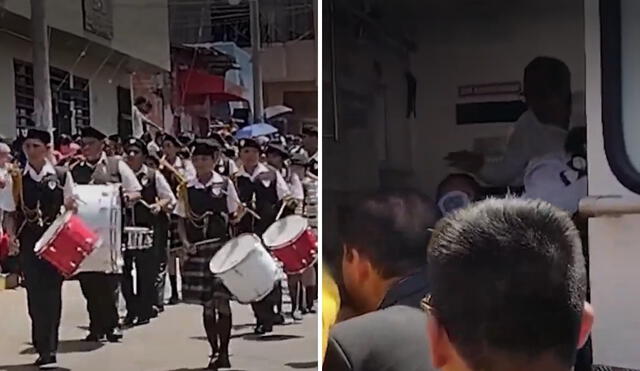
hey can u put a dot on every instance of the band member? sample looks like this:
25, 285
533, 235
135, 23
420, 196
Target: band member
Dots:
206, 207
113, 146
276, 156
152, 212
263, 189
100, 284
224, 165
42, 190
310, 184
177, 171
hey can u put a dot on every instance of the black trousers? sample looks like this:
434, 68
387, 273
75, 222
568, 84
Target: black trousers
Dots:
140, 301
101, 292
161, 248
264, 309
44, 300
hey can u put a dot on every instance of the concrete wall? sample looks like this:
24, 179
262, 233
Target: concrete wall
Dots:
141, 28
292, 62
103, 92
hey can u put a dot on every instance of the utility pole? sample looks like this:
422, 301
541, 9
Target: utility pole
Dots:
41, 79
254, 8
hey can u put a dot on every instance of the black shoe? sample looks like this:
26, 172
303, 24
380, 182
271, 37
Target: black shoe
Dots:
93, 337
46, 361
128, 321
278, 319
154, 312
311, 310
143, 321
212, 364
114, 336
160, 309
222, 361
259, 330
304, 311
174, 300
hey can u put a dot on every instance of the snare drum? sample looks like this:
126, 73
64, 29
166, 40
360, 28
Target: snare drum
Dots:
246, 268
99, 206
66, 243
138, 238
292, 242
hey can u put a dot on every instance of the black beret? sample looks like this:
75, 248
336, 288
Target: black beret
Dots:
249, 142
91, 132
136, 143
42, 135
186, 138
310, 130
172, 139
205, 147
277, 148
115, 138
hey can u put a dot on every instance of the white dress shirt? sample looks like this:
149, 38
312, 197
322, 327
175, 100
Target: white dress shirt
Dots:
217, 179
6, 193
184, 167
530, 139
282, 188
295, 185
163, 189
549, 178
128, 177
9, 205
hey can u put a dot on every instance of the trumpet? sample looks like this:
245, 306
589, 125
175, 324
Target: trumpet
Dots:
165, 164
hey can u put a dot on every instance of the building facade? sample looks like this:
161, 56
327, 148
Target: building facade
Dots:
95, 47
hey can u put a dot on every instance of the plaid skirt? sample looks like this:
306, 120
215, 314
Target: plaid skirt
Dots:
174, 237
199, 285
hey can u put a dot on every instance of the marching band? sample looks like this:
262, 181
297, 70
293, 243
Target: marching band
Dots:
136, 215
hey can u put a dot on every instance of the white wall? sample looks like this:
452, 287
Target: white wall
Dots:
141, 28
104, 104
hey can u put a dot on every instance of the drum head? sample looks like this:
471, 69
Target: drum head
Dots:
233, 252
52, 232
285, 231
137, 229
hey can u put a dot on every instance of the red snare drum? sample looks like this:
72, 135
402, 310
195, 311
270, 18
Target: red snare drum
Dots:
292, 242
66, 243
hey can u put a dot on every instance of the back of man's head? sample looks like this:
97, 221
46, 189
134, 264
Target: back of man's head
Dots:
508, 285
392, 229
545, 77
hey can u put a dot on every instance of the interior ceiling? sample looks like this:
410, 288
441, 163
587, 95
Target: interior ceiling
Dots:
411, 18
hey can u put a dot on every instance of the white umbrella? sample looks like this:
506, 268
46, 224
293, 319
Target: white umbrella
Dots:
273, 111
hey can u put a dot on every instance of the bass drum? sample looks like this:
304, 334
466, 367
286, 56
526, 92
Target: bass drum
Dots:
99, 206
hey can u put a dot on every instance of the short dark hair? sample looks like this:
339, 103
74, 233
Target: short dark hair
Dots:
546, 76
140, 100
508, 280
392, 229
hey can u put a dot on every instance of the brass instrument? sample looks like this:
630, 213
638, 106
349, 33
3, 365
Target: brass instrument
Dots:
165, 164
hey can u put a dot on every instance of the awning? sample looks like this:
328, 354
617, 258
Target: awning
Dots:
197, 86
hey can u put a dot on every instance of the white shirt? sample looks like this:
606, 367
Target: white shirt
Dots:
6, 194
185, 167
233, 168
128, 177
529, 139
282, 189
549, 178
9, 203
217, 179
295, 185
137, 126
163, 189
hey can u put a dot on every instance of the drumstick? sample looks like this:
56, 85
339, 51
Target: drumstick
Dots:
284, 204
239, 203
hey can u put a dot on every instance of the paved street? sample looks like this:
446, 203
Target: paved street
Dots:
173, 342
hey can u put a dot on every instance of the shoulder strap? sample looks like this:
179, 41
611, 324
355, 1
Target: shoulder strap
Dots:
113, 164
61, 174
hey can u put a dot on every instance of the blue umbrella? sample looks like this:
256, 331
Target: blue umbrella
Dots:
255, 130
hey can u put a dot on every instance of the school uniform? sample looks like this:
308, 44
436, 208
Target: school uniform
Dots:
146, 261
264, 189
100, 285
205, 210
174, 249
42, 195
